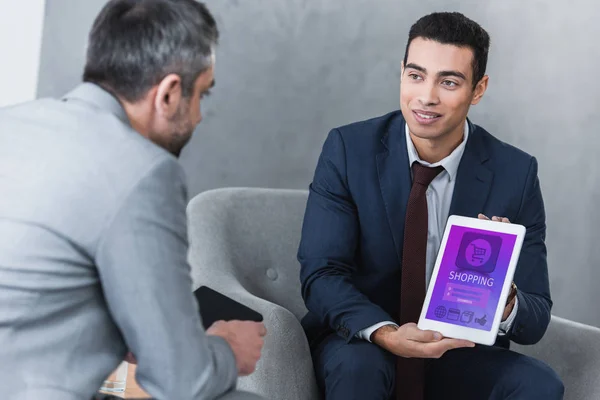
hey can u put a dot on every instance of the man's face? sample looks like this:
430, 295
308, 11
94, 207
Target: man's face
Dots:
437, 88
188, 114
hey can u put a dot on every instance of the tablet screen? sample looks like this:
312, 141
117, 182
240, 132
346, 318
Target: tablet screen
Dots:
471, 276
215, 306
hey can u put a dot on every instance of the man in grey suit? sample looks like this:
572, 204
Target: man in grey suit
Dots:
93, 240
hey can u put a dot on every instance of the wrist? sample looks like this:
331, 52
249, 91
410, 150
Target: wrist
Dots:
510, 302
381, 336
508, 310
512, 294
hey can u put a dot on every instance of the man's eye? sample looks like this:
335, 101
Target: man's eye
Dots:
449, 83
414, 76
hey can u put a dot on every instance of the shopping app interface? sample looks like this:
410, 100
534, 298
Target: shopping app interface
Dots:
471, 276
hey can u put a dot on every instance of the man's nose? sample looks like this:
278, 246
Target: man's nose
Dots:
429, 96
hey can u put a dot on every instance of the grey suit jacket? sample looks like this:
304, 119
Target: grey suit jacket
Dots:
93, 257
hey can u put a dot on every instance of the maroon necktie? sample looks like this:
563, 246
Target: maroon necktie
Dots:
410, 371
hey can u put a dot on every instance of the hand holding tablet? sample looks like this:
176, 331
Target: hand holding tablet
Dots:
239, 325
472, 278
408, 341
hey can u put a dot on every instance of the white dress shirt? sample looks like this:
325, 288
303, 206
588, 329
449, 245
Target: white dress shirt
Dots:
439, 196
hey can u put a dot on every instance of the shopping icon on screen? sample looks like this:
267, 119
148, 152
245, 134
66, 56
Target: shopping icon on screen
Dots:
453, 314
440, 311
467, 317
478, 252
482, 321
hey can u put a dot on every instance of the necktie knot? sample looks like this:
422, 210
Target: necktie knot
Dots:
424, 175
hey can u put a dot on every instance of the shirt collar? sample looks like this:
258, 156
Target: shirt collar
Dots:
450, 163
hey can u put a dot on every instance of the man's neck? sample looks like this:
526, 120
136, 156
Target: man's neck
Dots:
435, 150
138, 117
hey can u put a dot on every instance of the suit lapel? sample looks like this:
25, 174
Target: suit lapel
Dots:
395, 180
473, 179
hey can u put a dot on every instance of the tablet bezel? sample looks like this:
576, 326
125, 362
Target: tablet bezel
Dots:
461, 332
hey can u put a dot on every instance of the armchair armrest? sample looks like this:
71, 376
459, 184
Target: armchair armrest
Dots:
573, 350
285, 370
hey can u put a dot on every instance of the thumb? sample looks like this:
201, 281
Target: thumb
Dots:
458, 343
419, 335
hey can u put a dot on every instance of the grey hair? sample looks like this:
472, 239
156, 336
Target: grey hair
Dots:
134, 44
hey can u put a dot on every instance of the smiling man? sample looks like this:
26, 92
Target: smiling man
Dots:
379, 201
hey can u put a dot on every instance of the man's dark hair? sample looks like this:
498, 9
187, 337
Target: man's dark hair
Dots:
455, 29
134, 44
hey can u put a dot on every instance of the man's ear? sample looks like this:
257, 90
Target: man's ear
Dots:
480, 89
168, 96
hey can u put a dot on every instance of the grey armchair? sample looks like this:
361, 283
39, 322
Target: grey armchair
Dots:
243, 242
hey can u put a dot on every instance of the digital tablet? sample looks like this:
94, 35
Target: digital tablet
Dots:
471, 279
215, 306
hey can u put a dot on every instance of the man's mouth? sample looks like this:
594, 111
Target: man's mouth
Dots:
426, 116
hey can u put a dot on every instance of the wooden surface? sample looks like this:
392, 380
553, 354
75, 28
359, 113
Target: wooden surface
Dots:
132, 390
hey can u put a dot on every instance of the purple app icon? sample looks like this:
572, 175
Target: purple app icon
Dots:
478, 252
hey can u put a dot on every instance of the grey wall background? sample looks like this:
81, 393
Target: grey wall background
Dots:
290, 70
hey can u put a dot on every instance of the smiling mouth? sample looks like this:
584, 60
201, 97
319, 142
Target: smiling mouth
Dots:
426, 117
426, 114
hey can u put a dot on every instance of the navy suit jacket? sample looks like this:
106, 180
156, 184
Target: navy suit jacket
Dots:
351, 246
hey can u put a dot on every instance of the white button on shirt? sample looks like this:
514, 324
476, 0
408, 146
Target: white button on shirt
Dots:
439, 197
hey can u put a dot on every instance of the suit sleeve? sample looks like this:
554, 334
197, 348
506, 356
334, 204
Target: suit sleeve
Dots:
142, 263
330, 234
531, 276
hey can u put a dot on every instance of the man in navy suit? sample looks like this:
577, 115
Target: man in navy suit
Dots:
372, 220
